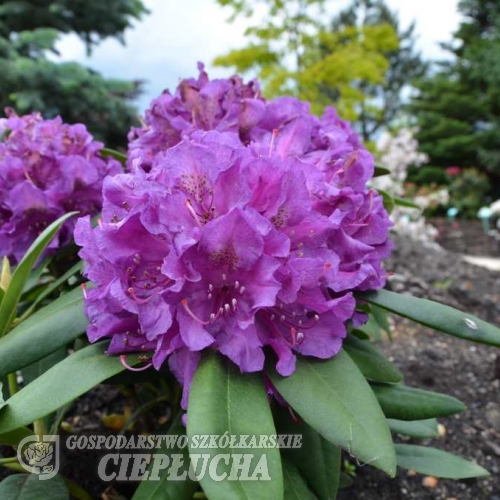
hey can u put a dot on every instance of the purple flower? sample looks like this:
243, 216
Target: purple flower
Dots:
234, 241
47, 168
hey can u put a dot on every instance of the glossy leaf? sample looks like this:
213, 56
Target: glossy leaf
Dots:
431, 461
158, 486
403, 202
334, 398
317, 460
77, 268
379, 171
107, 152
72, 377
420, 429
295, 485
222, 400
371, 328
29, 487
346, 481
8, 307
406, 403
35, 370
436, 315
371, 362
380, 316
44, 332
387, 199
13, 438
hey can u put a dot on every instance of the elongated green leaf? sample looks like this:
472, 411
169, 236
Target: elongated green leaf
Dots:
379, 171
29, 487
371, 362
72, 377
35, 275
334, 398
437, 316
295, 485
8, 306
380, 316
388, 200
431, 461
421, 429
317, 460
44, 332
406, 403
403, 202
371, 328
346, 481
222, 400
107, 152
77, 268
158, 486
14, 437
35, 370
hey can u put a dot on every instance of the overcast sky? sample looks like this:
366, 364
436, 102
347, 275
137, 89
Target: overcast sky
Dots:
165, 46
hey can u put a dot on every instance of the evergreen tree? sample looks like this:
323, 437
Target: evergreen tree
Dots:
458, 107
29, 81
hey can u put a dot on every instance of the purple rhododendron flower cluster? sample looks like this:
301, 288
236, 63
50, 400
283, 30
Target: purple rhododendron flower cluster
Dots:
47, 168
241, 224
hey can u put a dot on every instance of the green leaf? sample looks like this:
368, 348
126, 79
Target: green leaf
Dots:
380, 316
78, 267
387, 199
35, 275
406, 403
431, 461
371, 328
317, 460
72, 377
295, 486
334, 398
403, 202
435, 315
379, 171
346, 481
29, 487
222, 400
38, 368
371, 362
44, 332
163, 488
107, 152
8, 307
13, 438
420, 429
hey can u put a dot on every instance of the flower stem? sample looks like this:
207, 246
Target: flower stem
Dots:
12, 381
39, 428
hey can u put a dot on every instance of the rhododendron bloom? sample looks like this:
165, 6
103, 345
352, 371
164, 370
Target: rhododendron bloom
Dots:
47, 168
237, 238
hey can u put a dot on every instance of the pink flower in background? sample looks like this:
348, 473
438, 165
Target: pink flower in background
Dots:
47, 168
453, 170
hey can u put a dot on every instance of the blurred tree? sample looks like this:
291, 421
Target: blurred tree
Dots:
294, 51
383, 100
30, 81
458, 107
89, 19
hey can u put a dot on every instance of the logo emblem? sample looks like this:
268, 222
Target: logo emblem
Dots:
39, 456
